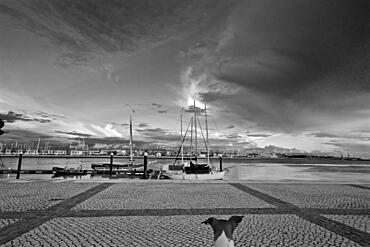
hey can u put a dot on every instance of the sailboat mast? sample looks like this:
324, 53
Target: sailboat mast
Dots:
191, 138
38, 144
131, 153
207, 140
182, 144
195, 132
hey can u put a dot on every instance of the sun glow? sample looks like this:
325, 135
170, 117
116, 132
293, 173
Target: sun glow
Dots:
197, 103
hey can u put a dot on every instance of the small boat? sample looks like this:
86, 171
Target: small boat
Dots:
105, 167
189, 167
61, 171
115, 167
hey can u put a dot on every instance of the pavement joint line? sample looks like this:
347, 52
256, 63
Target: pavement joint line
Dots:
30, 221
174, 212
359, 186
349, 232
181, 211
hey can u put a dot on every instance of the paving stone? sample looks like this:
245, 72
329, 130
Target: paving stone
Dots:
318, 195
161, 196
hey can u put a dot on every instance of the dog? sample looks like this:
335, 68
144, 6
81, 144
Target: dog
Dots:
223, 230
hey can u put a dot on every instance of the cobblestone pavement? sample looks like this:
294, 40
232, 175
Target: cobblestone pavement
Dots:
37, 195
361, 222
318, 196
170, 214
135, 196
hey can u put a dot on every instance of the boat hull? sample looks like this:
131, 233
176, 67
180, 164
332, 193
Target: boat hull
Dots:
217, 175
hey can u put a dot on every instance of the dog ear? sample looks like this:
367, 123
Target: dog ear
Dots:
235, 220
209, 221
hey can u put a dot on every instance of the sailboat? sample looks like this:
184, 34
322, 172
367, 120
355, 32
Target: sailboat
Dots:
120, 167
191, 168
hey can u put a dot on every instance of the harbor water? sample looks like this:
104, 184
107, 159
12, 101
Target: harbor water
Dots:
237, 169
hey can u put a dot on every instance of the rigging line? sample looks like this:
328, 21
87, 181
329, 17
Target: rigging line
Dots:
183, 139
201, 131
205, 142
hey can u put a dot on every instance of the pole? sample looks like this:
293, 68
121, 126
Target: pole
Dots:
191, 139
195, 133
182, 144
111, 164
145, 174
221, 162
207, 140
19, 165
131, 152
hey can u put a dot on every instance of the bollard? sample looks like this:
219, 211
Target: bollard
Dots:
221, 163
145, 175
19, 165
111, 164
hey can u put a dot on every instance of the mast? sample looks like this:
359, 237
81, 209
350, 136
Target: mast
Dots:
182, 143
191, 138
38, 145
207, 140
195, 132
131, 153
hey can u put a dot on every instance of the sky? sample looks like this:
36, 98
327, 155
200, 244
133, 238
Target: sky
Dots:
285, 74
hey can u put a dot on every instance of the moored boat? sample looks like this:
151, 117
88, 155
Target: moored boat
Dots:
190, 168
106, 167
61, 171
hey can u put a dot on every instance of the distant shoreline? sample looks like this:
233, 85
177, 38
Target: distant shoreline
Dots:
225, 159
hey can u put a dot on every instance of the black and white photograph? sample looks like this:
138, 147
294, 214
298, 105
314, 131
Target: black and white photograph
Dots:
185, 123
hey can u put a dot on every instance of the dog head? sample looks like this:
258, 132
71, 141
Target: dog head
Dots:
223, 230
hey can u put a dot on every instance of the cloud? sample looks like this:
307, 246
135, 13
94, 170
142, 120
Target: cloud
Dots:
143, 125
364, 136
292, 65
84, 31
12, 117
120, 124
73, 133
196, 83
157, 105
259, 135
107, 130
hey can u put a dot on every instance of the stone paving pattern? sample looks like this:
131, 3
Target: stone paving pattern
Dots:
157, 196
255, 230
318, 195
37, 195
170, 214
361, 222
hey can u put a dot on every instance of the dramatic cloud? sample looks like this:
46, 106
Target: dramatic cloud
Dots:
85, 29
292, 73
12, 117
298, 64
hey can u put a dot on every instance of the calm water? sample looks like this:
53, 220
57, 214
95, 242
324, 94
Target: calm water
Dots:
236, 170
